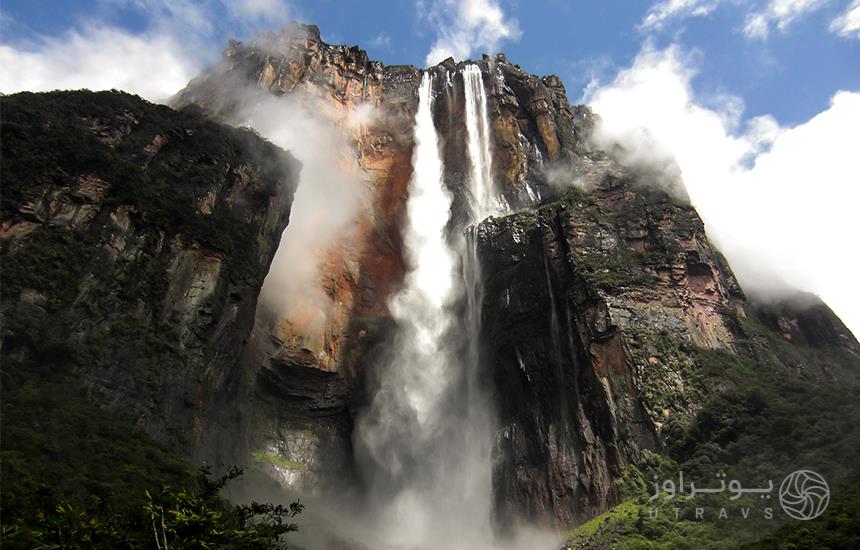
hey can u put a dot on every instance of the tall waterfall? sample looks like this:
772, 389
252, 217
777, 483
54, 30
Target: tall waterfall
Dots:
483, 194
478, 129
425, 442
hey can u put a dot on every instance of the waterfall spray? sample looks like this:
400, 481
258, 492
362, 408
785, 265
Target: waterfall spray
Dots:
424, 443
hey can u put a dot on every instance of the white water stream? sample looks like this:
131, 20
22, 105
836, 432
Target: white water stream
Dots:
424, 445
478, 130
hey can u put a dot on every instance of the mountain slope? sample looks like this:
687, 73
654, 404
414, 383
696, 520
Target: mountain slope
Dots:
135, 240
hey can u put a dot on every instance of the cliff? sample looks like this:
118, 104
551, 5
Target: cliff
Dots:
135, 242
600, 288
599, 308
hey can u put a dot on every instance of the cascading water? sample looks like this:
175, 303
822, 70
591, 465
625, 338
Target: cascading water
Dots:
478, 129
484, 203
425, 441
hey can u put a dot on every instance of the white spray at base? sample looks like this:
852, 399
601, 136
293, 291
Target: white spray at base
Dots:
425, 442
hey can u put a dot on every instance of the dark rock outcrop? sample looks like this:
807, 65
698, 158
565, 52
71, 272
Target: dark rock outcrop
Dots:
135, 242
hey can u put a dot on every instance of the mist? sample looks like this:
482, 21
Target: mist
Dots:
778, 201
331, 190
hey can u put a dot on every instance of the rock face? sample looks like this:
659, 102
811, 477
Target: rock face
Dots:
599, 283
135, 241
592, 292
579, 297
310, 360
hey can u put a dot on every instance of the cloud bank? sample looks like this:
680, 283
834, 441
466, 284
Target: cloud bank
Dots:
99, 58
179, 39
464, 26
780, 202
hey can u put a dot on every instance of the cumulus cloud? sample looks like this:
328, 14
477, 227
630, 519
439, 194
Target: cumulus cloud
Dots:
463, 26
848, 24
781, 13
180, 37
779, 201
99, 58
661, 12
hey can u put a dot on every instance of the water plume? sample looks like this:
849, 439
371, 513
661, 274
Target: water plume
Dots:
424, 443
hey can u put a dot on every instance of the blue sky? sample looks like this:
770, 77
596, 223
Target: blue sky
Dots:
791, 74
757, 102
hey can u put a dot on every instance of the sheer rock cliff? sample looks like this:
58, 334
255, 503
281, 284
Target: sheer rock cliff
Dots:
142, 259
135, 242
599, 279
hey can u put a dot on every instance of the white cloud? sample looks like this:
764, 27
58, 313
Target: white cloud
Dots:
759, 16
381, 40
663, 11
782, 13
848, 24
780, 202
309, 129
786, 11
180, 38
154, 66
463, 26
757, 26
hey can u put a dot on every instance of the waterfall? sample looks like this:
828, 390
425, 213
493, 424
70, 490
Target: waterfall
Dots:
478, 130
424, 443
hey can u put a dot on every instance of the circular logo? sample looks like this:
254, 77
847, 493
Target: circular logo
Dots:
804, 495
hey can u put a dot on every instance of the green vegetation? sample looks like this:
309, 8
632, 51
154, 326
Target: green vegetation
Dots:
679, 380
58, 445
192, 518
49, 141
54, 266
757, 421
612, 271
264, 457
836, 528
82, 326
75, 476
